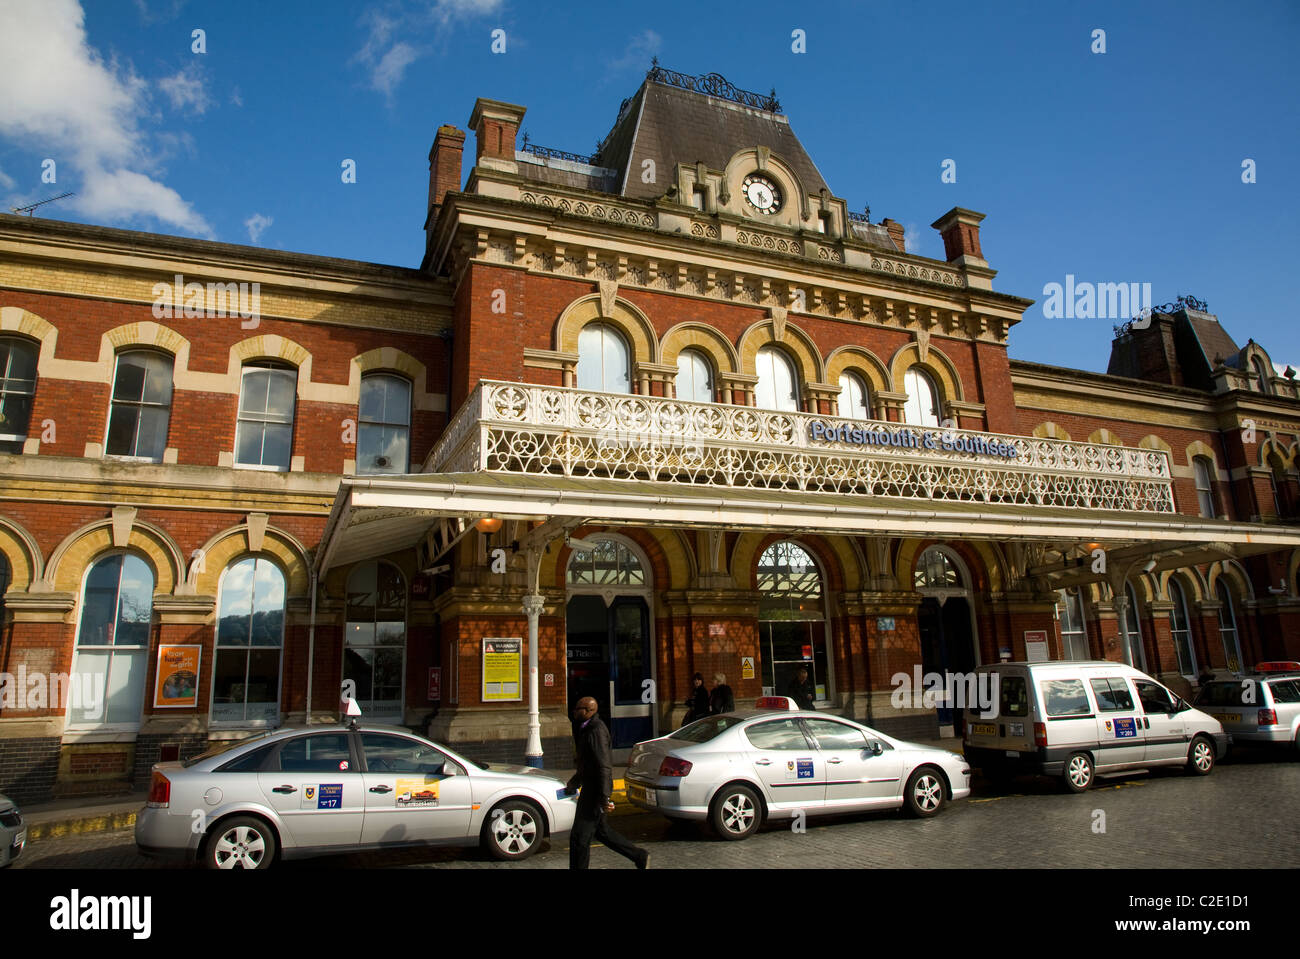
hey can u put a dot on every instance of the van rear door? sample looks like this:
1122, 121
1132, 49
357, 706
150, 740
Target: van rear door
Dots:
1008, 726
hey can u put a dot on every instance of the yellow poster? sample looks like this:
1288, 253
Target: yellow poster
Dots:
177, 682
747, 667
420, 791
502, 669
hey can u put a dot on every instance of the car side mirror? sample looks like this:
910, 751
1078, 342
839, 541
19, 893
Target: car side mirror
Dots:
877, 747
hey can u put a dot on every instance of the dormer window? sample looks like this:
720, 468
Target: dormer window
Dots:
1261, 376
698, 197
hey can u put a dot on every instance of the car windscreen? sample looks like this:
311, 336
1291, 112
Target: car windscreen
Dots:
216, 749
1243, 693
702, 730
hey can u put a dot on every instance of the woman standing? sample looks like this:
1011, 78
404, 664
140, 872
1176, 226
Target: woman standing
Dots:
697, 703
721, 699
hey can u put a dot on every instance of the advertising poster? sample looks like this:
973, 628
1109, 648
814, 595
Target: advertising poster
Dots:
1036, 646
502, 670
418, 791
177, 683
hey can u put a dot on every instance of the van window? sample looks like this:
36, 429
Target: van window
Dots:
1155, 699
1112, 694
1065, 697
1013, 696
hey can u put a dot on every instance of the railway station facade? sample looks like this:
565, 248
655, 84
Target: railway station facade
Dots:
667, 409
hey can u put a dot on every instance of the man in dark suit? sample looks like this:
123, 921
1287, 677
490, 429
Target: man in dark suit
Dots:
595, 776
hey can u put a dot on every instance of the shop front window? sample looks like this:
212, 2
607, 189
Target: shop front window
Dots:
792, 620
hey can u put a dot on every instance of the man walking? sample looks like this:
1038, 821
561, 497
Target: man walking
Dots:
595, 776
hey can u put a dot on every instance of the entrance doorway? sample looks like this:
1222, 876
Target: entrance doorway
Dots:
792, 620
607, 639
946, 624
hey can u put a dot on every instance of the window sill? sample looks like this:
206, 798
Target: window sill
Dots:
124, 733
261, 469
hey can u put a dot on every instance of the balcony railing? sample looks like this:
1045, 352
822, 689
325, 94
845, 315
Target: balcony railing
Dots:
519, 428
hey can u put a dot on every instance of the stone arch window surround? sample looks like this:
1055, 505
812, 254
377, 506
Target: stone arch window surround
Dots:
248, 652
717, 350
943, 374
798, 347
634, 326
796, 208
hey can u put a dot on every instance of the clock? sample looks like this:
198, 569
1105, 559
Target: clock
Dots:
761, 193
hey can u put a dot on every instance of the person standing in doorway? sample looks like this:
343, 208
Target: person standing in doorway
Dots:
800, 690
697, 703
721, 699
595, 779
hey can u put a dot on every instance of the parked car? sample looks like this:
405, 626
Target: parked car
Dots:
1261, 707
316, 790
13, 833
737, 770
1077, 719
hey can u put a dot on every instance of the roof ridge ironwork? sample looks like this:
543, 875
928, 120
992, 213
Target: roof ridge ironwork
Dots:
714, 85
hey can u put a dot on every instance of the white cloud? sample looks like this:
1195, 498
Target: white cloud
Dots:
392, 35
63, 101
125, 195
257, 224
448, 10
387, 74
187, 89
638, 51
236, 98
6, 181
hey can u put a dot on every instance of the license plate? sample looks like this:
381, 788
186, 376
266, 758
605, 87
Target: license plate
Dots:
1228, 717
639, 793
984, 729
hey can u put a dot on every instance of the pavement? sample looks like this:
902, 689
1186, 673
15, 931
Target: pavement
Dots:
93, 814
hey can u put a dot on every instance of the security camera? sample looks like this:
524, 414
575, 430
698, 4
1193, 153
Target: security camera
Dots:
583, 544
1151, 564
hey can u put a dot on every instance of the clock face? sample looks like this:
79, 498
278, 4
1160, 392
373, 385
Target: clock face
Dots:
761, 193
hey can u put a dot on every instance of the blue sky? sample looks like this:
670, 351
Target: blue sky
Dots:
1122, 166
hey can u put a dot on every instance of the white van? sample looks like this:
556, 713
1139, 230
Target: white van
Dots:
1079, 719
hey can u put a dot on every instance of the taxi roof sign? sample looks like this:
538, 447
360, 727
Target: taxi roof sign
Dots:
1277, 666
775, 702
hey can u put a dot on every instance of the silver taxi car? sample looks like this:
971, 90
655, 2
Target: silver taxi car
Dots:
1263, 706
323, 790
13, 832
736, 770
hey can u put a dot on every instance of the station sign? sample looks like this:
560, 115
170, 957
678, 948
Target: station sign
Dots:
945, 441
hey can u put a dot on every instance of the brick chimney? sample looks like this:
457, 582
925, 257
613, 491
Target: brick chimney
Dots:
495, 125
444, 171
895, 233
960, 230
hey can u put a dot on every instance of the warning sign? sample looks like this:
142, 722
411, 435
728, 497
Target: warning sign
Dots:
746, 667
502, 669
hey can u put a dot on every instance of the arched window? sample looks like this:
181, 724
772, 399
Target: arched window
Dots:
936, 570
603, 360
1074, 634
142, 404
1181, 630
922, 399
1203, 469
112, 643
1136, 653
374, 657
384, 424
792, 620
17, 389
855, 400
694, 377
1228, 626
264, 435
778, 385
250, 640
611, 563
1261, 375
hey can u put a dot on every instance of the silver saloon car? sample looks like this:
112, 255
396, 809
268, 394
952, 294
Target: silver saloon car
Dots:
13, 832
738, 769
317, 790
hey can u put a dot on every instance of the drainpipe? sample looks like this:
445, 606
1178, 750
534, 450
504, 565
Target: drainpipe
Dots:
311, 639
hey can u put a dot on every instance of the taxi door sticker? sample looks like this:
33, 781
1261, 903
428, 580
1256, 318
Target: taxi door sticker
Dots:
308, 797
805, 768
1125, 728
417, 792
323, 796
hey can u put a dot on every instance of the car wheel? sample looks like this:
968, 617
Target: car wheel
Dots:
244, 842
1078, 772
735, 813
1200, 758
924, 794
513, 830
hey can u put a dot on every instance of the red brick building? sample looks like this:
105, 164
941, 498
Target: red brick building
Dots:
668, 409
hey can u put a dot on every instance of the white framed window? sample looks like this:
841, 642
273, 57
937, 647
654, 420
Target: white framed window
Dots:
855, 399
374, 653
1074, 632
142, 405
17, 390
250, 644
1136, 653
922, 407
1180, 628
694, 377
1204, 491
603, 360
113, 643
778, 384
384, 424
264, 435
1228, 631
